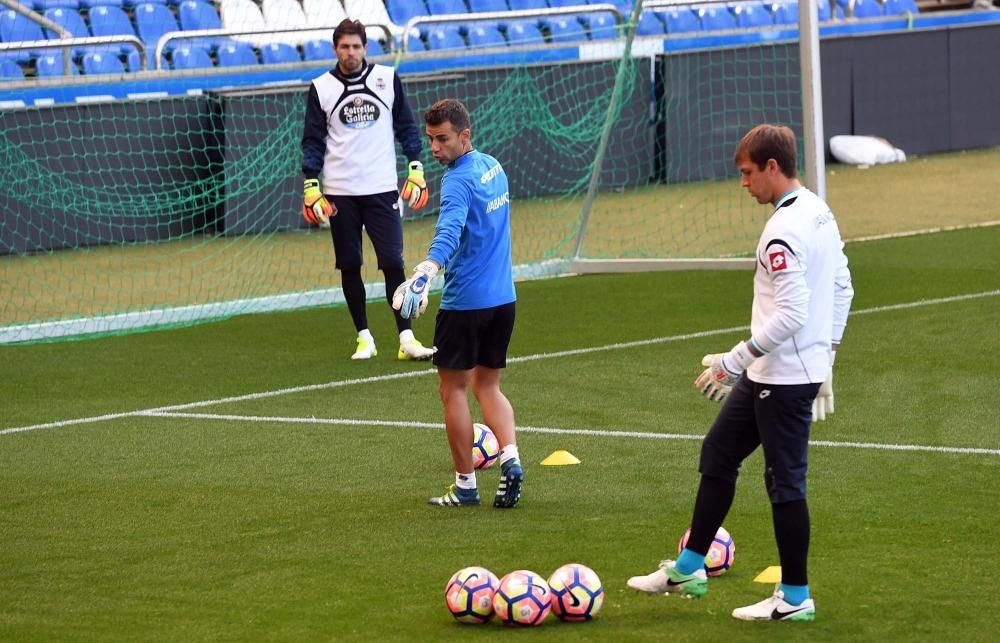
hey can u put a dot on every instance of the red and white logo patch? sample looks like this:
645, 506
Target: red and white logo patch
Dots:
778, 261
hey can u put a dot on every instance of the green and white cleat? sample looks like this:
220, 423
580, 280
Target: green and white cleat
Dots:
456, 497
667, 580
366, 349
776, 609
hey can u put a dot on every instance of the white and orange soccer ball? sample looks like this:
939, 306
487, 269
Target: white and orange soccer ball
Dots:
721, 553
469, 594
577, 593
485, 448
523, 598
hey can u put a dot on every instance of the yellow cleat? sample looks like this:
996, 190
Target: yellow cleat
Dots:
366, 349
414, 350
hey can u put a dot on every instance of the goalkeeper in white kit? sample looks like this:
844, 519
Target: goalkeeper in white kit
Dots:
769, 382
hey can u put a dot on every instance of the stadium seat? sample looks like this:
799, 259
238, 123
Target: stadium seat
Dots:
101, 62
444, 37
106, 20
236, 54
51, 64
10, 70
483, 6
522, 5
279, 52
375, 47
136, 3
566, 29
715, 17
90, 4
318, 50
680, 20
373, 12
287, 14
197, 15
42, 5
400, 11
867, 8
752, 14
323, 13
524, 32
245, 15
191, 58
600, 24
17, 28
567, 3
823, 7
785, 12
444, 7
485, 36
649, 25
152, 20
896, 7
69, 19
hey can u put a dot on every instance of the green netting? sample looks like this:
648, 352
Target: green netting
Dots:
138, 214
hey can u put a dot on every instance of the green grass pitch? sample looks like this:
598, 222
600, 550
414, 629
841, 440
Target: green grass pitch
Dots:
219, 500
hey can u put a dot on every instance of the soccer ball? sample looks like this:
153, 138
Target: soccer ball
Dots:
721, 553
577, 593
523, 598
485, 447
469, 594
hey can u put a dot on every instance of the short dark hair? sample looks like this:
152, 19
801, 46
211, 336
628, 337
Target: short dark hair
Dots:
770, 142
348, 27
451, 111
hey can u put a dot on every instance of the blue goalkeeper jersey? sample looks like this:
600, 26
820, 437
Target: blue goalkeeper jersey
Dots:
472, 237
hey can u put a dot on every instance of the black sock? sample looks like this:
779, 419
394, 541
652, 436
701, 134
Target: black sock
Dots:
354, 295
394, 277
715, 496
791, 532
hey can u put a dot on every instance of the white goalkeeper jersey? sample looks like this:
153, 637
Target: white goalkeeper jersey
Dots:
359, 130
802, 292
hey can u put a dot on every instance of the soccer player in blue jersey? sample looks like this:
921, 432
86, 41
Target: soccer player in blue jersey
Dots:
476, 319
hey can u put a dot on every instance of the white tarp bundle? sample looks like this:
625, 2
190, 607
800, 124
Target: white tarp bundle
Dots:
865, 150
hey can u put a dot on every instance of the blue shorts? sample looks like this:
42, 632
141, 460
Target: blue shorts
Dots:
774, 416
379, 214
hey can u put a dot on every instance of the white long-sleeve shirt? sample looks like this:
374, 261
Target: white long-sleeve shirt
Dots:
802, 292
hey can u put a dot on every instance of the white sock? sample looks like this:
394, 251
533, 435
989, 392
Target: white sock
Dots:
509, 452
465, 480
364, 333
406, 336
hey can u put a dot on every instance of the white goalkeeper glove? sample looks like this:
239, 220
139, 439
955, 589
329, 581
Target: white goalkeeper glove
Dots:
823, 404
410, 299
723, 370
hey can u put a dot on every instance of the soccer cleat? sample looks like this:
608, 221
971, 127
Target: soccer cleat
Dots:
456, 497
366, 349
414, 350
667, 580
509, 489
776, 609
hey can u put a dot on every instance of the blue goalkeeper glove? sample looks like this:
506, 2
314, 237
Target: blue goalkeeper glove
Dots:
410, 299
415, 188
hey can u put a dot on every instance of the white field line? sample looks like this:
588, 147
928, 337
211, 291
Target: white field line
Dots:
544, 429
431, 371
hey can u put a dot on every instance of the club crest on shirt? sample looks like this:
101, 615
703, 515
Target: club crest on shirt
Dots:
777, 260
379, 84
359, 113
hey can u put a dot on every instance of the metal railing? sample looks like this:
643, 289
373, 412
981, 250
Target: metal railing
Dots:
68, 43
45, 23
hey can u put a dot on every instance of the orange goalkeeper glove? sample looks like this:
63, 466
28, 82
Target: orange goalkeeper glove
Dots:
415, 188
315, 207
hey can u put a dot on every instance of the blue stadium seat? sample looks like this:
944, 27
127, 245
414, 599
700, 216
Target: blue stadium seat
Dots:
90, 4
152, 21
236, 54
375, 47
482, 6
279, 52
444, 37
786, 12
16, 28
523, 32
10, 70
715, 17
752, 14
444, 7
566, 29
198, 15
136, 3
567, 3
402, 10
41, 5
102, 62
680, 20
521, 5
71, 20
51, 64
107, 20
133, 63
867, 8
649, 25
599, 24
823, 7
485, 36
191, 58
319, 50
896, 7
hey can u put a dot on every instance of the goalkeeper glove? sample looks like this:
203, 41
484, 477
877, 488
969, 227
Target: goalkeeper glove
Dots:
723, 370
410, 299
415, 188
315, 207
823, 403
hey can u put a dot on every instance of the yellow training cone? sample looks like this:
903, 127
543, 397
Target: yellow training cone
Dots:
770, 575
560, 457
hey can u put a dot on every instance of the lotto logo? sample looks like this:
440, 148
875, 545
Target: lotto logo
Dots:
778, 260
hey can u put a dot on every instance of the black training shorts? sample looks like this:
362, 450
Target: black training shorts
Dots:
469, 338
